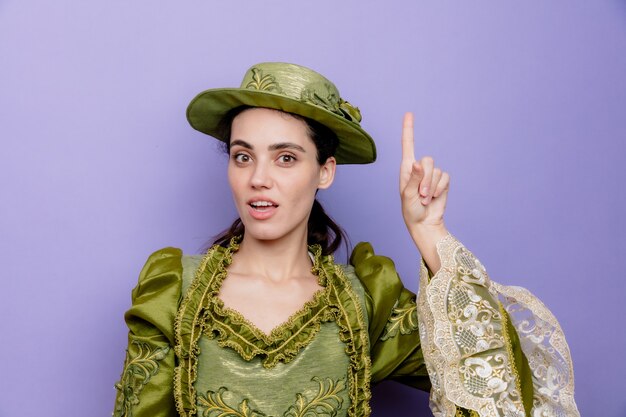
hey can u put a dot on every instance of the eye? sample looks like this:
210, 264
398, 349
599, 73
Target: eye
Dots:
241, 158
286, 159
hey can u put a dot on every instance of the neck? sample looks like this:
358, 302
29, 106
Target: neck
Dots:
276, 260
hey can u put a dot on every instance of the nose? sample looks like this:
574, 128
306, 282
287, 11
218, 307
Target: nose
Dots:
261, 177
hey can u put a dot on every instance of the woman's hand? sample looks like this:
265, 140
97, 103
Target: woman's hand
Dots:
423, 191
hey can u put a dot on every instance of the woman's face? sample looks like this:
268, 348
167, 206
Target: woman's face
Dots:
274, 173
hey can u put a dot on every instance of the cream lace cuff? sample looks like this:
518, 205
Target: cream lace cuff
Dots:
466, 348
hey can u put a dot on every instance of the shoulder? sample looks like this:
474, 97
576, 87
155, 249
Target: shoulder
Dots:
161, 258
156, 295
352, 279
173, 262
380, 283
190, 265
169, 258
162, 273
376, 272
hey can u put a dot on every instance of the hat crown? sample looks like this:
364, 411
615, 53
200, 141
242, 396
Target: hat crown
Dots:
299, 83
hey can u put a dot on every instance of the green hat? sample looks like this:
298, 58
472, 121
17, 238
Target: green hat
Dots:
294, 89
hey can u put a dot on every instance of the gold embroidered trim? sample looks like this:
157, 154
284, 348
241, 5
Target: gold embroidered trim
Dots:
138, 370
194, 311
188, 364
277, 333
277, 351
357, 341
402, 319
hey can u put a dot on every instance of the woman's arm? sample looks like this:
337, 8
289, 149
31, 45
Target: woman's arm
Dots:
490, 350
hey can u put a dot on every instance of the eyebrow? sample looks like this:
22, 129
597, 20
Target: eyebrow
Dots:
286, 145
241, 143
273, 147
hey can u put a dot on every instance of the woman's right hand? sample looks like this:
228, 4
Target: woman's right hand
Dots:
423, 193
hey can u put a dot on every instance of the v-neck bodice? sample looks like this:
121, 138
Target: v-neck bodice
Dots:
212, 340
282, 343
296, 322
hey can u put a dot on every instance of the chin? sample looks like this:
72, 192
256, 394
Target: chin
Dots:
262, 231
263, 235
267, 232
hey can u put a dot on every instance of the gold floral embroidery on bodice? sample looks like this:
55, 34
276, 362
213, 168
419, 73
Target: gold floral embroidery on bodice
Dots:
325, 401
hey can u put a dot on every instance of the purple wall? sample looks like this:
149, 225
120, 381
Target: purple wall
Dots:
523, 103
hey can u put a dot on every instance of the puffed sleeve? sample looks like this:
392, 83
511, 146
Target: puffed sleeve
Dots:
490, 349
145, 388
395, 347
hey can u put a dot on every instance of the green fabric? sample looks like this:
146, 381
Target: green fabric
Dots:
367, 331
400, 357
145, 387
275, 391
190, 266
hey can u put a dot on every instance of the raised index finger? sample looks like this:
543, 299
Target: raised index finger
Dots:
408, 152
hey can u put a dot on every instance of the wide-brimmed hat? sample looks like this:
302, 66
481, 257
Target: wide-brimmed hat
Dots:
294, 89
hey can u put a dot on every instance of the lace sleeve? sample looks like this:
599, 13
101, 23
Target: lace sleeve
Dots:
470, 328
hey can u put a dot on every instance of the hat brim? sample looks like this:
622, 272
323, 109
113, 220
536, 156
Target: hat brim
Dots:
207, 109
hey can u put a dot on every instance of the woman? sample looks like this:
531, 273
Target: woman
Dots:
267, 324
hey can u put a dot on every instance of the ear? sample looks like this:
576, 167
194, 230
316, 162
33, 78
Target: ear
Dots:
327, 173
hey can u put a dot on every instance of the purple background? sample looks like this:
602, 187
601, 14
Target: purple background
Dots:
524, 103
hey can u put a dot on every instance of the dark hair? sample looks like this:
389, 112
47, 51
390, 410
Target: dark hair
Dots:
322, 229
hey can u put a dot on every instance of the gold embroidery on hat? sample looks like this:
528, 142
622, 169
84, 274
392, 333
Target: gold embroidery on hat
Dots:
263, 82
325, 99
325, 96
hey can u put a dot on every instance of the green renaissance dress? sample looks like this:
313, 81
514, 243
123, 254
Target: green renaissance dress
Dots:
482, 349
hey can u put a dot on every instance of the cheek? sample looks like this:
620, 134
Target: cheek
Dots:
303, 190
235, 181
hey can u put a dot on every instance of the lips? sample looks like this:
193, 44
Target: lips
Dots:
261, 208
